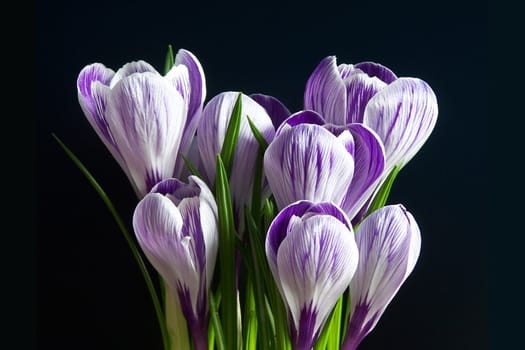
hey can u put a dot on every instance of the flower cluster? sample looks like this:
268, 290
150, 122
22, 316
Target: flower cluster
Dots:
291, 206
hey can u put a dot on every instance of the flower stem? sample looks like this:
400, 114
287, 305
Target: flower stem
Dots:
127, 236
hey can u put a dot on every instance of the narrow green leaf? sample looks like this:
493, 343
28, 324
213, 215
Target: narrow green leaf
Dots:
193, 170
232, 135
170, 60
120, 223
251, 317
257, 185
216, 324
383, 193
227, 253
258, 135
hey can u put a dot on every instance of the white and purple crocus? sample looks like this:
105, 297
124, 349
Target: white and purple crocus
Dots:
313, 255
176, 227
146, 120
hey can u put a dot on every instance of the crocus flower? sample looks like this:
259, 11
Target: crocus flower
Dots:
389, 243
144, 118
176, 227
312, 254
212, 131
321, 162
402, 111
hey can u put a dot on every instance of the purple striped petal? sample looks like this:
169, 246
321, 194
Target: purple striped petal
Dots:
377, 70
326, 93
193, 90
176, 227
132, 68
282, 224
403, 114
369, 157
275, 108
212, 130
146, 115
93, 100
389, 243
301, 117
360, 88
308, 162
315, 263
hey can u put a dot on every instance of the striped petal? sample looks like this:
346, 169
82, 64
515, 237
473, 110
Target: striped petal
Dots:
301, 117
313, 256
369, 157
176, 226
360, 88
275, 108
373, 69
389, 243
403, 114
326, 93
188, 75
146, 115
308, 162
132, 68
212, 131
93, 100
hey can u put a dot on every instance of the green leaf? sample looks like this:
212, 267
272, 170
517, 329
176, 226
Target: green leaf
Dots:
170, 60
258, 135
216, 324
232, 135
127, 237
193, 170
227, 253
382, 195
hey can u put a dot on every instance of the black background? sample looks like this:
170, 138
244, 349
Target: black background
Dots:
90, 294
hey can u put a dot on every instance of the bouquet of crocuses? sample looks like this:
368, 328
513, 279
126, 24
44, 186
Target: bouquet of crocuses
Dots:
269, 229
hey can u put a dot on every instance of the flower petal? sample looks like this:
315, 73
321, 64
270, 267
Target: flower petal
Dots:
403, 114
212, 130
93, 103
308, 162
360, 88
325, 92
301, 117
377, 70
315, 263
369, 157
132, 68
197, 81
147, 115
389, 243
275, 108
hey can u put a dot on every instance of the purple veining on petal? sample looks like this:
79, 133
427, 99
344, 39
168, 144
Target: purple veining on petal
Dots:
360, 88
304, 337
346, 70
332, 210
93, 100
325, 92
357, 327
197, 81
279, 227
275, 108
130, 69
403, 114
301, 117
369, 157
307, 162
377, 70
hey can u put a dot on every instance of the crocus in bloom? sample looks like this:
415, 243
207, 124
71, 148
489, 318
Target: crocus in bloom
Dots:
212, 131
144, 119
402, 111
389, 243
176, 227
313, 255
361, 142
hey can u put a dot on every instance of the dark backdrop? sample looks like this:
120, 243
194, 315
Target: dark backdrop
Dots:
90, 294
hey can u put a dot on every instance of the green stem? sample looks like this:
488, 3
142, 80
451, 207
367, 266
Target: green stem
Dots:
127, 236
